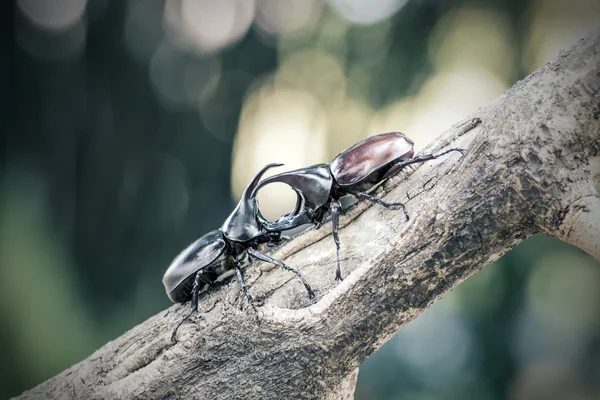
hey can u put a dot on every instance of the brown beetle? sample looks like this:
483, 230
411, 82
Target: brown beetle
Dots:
353, 171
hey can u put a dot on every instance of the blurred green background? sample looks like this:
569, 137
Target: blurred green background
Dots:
130, 129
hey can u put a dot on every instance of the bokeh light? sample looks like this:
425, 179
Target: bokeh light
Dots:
364, 12
277, 123
566, 298
181, 79
65, 45
317, 72
208, 26
472, 58
440, 358
556, 25
54, 15
446, 98
549, 380
34, 261
143, 28
276, 17
348, 124
473, 36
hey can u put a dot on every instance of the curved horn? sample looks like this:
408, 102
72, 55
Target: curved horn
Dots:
295, 218
242, 224
251, 189
312, 184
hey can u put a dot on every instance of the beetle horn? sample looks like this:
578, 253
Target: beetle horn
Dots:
312, 184
242, 224
251, 189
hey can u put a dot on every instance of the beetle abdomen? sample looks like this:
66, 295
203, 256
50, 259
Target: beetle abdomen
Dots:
369, 159
183, 292
216, 272
205, 253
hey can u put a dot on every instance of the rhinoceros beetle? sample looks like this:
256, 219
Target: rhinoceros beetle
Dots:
354, 171
220, 252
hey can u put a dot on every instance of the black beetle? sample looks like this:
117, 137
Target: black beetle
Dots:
353, 171
219, 252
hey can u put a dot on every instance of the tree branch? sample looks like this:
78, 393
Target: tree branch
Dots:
531, 167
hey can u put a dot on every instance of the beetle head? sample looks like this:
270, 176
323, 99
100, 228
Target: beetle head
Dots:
313, 188
243, 224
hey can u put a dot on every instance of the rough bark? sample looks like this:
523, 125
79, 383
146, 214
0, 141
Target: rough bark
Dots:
531, 166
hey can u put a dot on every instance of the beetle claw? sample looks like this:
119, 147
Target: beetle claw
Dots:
174, 334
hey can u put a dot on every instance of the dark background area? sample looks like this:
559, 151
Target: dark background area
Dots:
129, 129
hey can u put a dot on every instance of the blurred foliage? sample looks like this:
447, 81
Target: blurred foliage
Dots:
130, 128
525, 327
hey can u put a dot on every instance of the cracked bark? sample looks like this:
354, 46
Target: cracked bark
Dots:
531, 167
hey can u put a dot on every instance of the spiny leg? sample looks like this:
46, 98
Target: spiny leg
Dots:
335, 221
240, 277
426, 157
366, 196
193, 303
263, 257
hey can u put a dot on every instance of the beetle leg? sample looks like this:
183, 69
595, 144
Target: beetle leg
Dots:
426, 157
263, 257
240, 277
335, 221
366, 196
193, 303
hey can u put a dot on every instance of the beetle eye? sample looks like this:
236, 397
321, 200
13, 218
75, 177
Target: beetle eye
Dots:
275, 200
